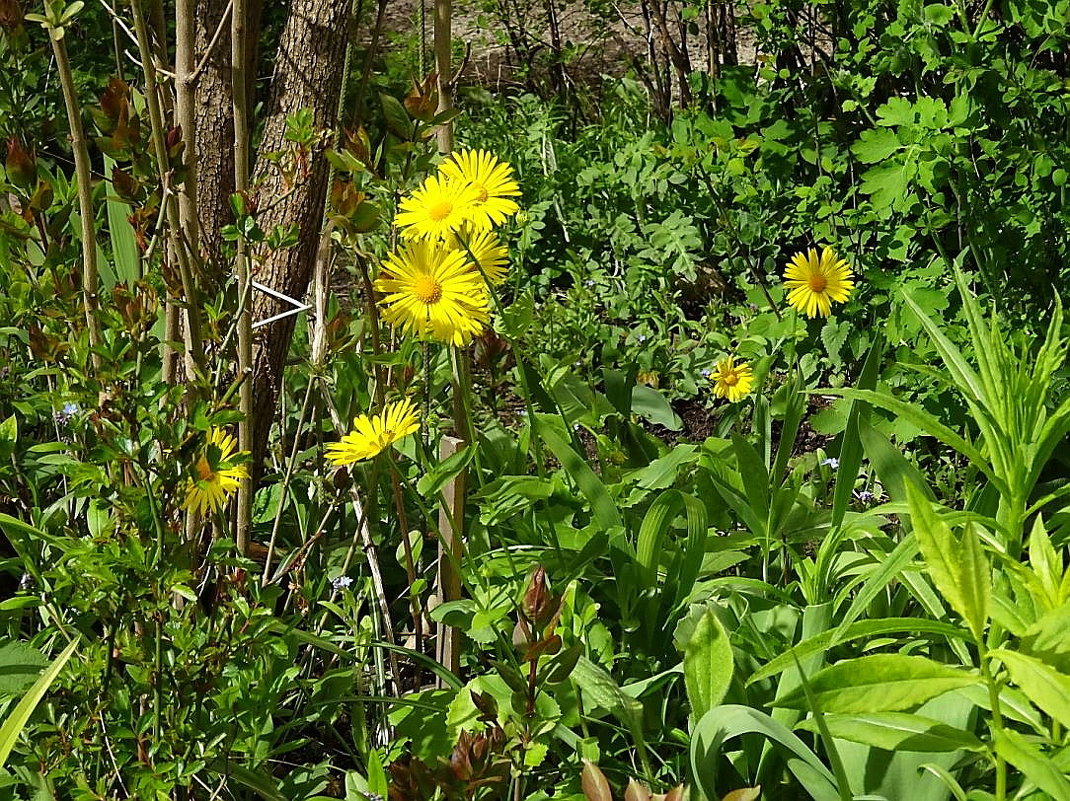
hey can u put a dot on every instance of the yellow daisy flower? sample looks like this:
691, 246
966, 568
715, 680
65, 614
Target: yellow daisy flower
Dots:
436, 209
493, 181
216, 474
814, 284
434, 290
372, 435
731, 380
488, 250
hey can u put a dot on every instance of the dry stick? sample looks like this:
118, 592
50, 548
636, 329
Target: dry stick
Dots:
152, 95
245, 330
91, 278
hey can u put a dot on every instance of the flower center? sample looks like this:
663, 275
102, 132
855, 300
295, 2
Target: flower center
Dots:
204, 469
731, 379
440, 211
427, 289
481, 193
818, 282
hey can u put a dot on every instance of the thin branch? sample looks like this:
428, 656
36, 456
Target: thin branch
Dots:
223, 23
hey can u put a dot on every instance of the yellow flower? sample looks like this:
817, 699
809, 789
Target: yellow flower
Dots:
372, 435
215, 474
437, 208
814, 283
493, 181
434, 290
489, 252
731, 380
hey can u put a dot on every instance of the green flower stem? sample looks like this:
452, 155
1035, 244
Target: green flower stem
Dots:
91, 279
997, 719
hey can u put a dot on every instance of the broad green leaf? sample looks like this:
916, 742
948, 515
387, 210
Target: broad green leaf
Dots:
651, 532
876, 145
20, 664
1046, 687
1037, 767
855, 631
724, 723
601, 690
898, 731
958, 567
647, 402
707, 665
878, 683
20, 715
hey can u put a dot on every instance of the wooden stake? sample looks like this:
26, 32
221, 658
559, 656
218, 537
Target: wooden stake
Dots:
451, 527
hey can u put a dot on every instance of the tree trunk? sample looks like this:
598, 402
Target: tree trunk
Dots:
308, 75
215, 129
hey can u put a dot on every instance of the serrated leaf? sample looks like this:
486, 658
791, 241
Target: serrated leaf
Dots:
878, 683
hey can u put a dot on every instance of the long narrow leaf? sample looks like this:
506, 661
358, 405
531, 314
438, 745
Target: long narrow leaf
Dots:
20, 715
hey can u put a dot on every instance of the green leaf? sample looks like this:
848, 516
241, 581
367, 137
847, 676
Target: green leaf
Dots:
878, 683
938, 14
397, 119
603, 508
1037, 767
726, 722
707, 665
827, 640
20, 715
432, 482
1046, 687
121, 233
20, 664
876, 145
958, 567
898, 731
649, 403
600, 690
894, 471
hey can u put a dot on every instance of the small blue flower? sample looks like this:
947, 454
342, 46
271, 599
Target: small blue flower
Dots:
706, 372
342, 582
67, 413
831, 462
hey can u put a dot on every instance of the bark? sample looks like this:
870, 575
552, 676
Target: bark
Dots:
214, 123
308, 75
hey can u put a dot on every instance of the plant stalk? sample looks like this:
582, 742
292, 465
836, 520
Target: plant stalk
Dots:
91, 277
